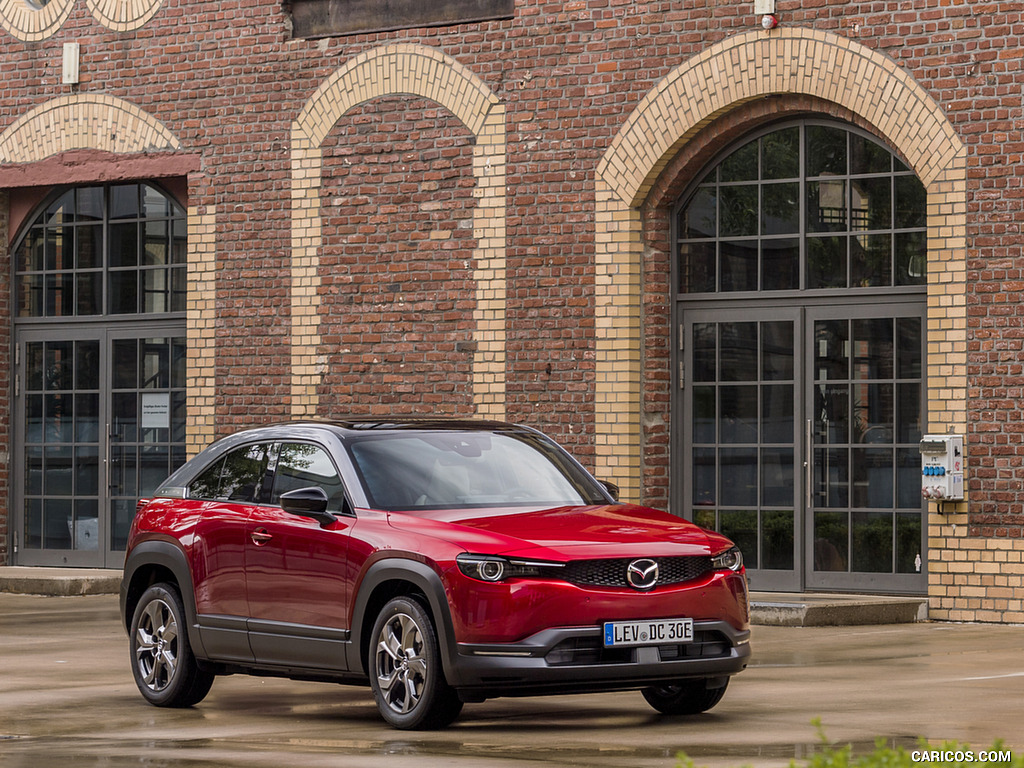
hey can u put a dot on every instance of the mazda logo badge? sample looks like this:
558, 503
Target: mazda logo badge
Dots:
642, 574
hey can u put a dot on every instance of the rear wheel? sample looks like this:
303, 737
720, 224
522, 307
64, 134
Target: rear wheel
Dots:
163, 665
405, 669
686, 697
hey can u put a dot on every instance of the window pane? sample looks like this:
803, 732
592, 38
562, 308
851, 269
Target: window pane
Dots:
873, 349
826, 262
124, 245
704, 477
304, 466
700, 217
777, 477
705, 414
873, 478
780, 154
777, 413
826, 206
780, 209
911, 258
738, 210
698, 267
872, 537
738, 477
911, 203
124, 201
908, 543
870, 260
826, 150
777, 350
868, 157
741, 527
780, 264
777, 540
243, 473
739, 265
738, 414
705, 351
124, 292
739, 355
871, 204
831, 477
831, 541
741, 165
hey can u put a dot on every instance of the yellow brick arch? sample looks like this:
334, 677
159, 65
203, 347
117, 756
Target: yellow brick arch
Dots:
32, 22
719, 79
424, 72
85, 121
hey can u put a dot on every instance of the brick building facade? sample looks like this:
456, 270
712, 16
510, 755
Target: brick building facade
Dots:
492, 217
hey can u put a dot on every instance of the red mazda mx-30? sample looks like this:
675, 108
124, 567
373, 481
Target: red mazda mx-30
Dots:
438, 561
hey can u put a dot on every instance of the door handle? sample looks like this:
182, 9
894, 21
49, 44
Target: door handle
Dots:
260, 537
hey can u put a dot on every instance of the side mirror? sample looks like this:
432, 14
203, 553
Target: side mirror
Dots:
612, 488
308, 502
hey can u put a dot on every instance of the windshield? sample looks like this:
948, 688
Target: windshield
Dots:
450, 469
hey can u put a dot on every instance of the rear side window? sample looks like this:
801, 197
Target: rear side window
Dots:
236, 477
300, 465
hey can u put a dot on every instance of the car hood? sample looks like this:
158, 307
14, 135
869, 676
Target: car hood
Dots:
562, 533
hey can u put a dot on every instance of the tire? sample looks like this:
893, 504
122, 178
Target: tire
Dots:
685, 697
163, 665
405, 669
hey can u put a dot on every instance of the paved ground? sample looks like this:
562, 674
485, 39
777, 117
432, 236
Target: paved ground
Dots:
66, 693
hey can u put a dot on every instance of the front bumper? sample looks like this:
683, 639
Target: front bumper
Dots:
574, 660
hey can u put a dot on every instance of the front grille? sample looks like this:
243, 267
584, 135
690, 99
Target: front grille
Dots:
612, 572
591, 650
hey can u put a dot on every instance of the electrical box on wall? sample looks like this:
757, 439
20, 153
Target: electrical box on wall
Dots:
942, 467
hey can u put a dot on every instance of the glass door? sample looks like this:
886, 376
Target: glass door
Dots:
740, 375
100, 421
799, 441
864, 415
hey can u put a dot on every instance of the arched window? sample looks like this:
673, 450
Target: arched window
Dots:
104, 250
804, 207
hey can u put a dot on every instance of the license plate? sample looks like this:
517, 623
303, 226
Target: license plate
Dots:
623, 634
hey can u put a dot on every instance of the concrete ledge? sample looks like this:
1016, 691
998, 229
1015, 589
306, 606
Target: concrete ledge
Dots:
59, 582
782, 609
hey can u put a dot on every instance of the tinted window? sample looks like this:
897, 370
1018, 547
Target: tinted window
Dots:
469, 469
301, 465
236, 477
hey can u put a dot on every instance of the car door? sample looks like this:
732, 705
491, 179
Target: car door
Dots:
229, 489
297, 576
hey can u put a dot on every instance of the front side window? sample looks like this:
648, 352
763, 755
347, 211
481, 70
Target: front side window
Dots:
119, 249
804, 207
301, 465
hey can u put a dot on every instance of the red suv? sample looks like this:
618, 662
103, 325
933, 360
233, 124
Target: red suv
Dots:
441, 562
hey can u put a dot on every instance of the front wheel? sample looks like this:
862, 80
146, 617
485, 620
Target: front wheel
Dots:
686, 697
163, 665
405, 669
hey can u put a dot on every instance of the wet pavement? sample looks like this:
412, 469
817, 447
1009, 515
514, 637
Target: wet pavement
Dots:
66, 693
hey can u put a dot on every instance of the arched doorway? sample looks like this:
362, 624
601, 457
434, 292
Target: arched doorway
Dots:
100, 366
800, 300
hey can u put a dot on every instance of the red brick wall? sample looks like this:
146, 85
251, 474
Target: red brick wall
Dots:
226, 79
397, 290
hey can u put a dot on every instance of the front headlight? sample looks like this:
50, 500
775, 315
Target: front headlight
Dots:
730, 560
492, 568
